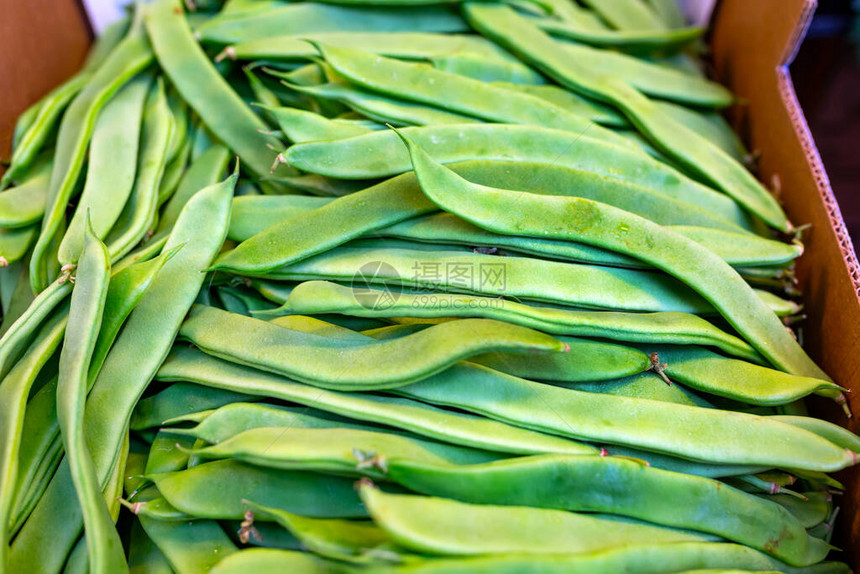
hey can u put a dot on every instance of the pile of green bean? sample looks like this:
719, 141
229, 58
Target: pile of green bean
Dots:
490, 287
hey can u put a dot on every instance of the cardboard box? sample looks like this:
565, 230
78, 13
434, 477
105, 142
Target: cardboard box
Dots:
42, 42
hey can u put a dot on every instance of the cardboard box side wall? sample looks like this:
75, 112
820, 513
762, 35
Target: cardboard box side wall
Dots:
43, 42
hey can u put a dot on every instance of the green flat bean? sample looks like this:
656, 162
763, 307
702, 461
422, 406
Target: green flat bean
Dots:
139, 212
810, 512
205, 170
652, 79
14, 243
13, 401
316, 297
628, 41
377, 155
112, 166
40, 451
485, 69
669, 12
322, 186
396, 44
130, 56
388, 203
710, 125
230, 420
454, 93
189, 546
127, 287
313, 18
552, 282
320, 361
216, 490
597, 112
383, 109
655, 80
32, 141
205, 91
586, 361
645, 558
737, 249
202, 227
342, 451
303, 126
611, 228
618, 486
347, 540
20, 333
712, 373
24, 204
626, 14
439, 424
168, 453
85, 316
253, 214
684, 146
643, 385
144, 557
449, 528
180, 400
834, 433
701, 434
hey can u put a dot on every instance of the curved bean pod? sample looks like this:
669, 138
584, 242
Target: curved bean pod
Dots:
85, 316
200, 84
13, 400
232, 419
439, 424
378, 154
14, 243
189, 546
347, 540
552, 282
628, 41
586, 361
712, 373
140, 211
597, 112
381, 108
445, 527
316, 297
31, 142
485, 69
626, 15
342, 451
112, 166
618, 486
24, 204
303, 126
834, 433
684, 146
454, 93
608, 227
130, 57
202, 227
652, 79
395, 44
216, 490
310, 18
700, 434
321, 361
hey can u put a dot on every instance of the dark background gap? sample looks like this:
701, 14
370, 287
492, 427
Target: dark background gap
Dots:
826, 75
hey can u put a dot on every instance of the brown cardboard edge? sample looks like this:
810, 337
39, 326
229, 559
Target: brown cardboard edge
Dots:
753, 44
